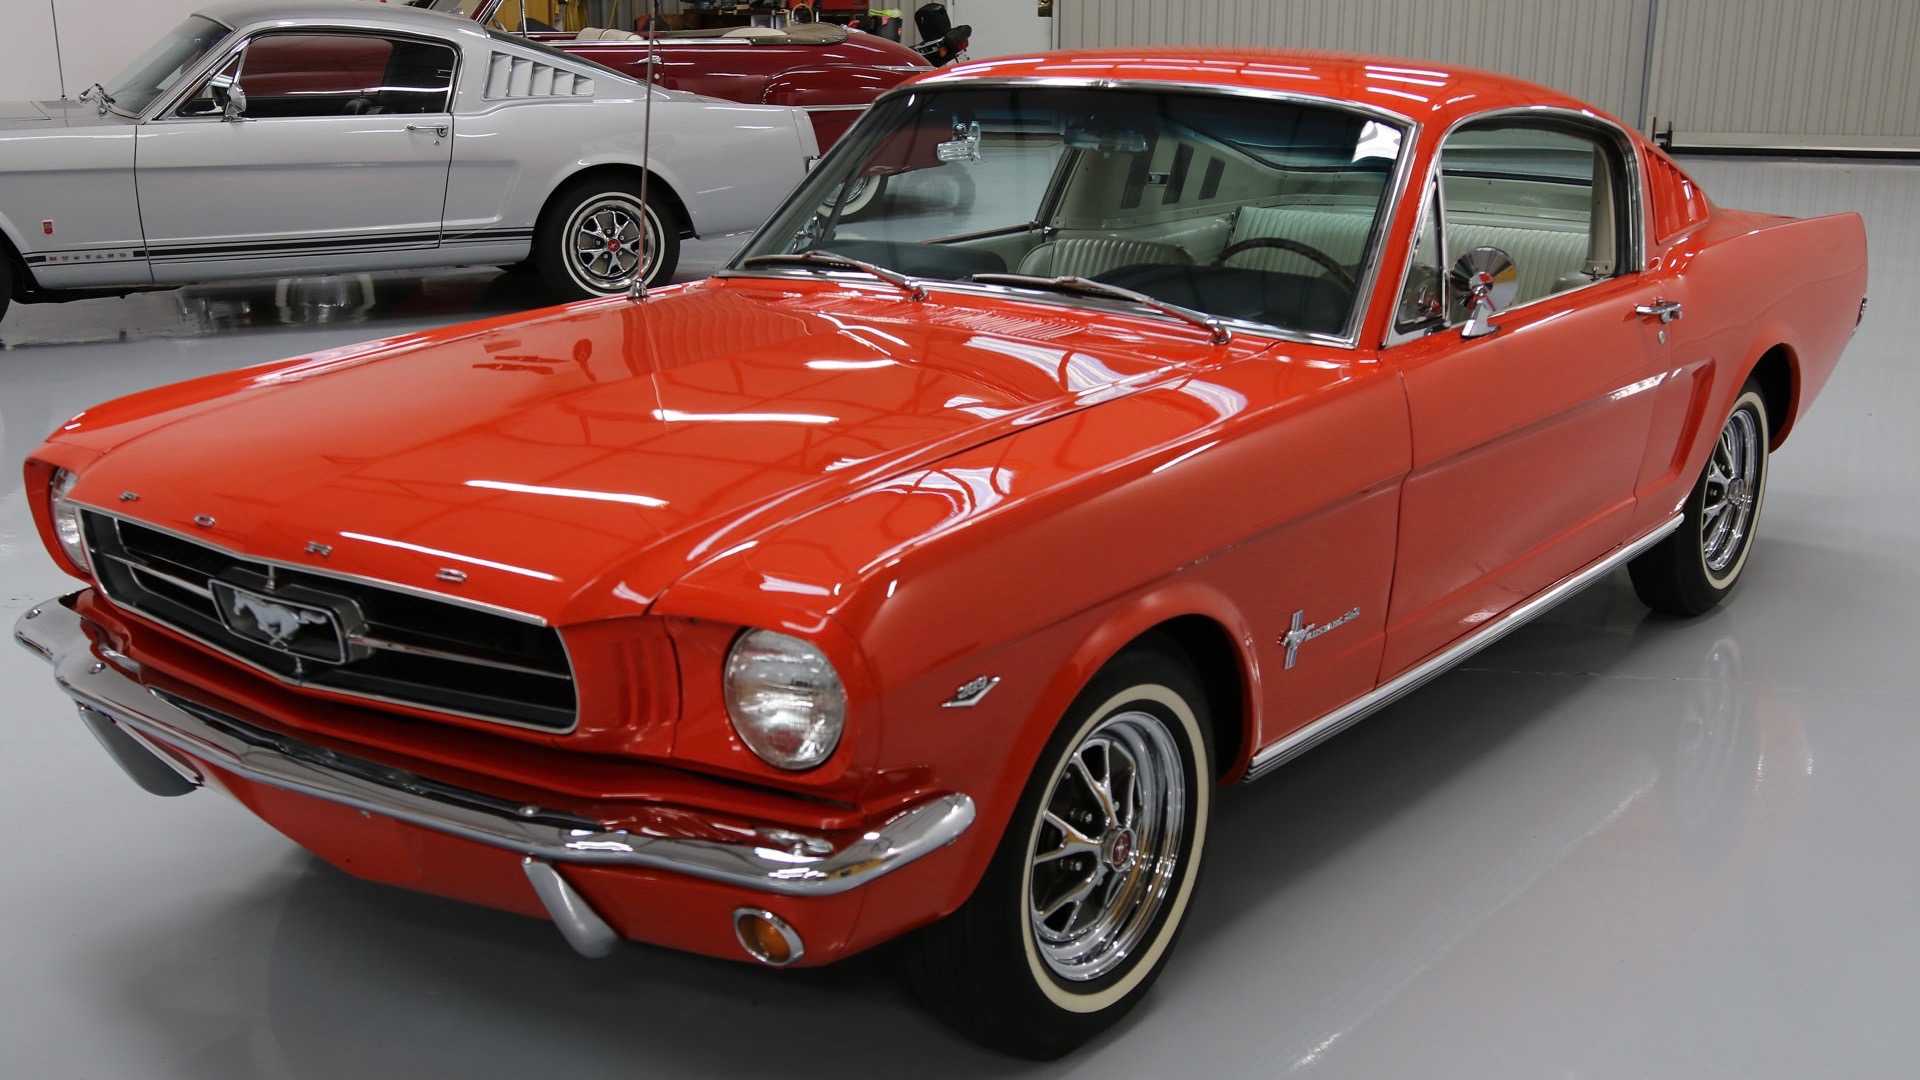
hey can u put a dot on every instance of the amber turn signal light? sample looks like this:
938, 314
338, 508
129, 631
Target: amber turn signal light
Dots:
767, 937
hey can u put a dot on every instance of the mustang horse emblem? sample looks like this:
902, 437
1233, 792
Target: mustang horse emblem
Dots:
278, 621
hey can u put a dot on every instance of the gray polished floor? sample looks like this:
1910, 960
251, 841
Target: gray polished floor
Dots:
1615, 845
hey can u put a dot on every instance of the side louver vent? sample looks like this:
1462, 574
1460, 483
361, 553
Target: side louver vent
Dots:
511, 76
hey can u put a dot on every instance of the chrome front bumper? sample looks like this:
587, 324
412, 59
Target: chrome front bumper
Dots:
139, 726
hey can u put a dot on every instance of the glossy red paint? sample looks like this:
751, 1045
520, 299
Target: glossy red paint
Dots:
932, 492
834, 79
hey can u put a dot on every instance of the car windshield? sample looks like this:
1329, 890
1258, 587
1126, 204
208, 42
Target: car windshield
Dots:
161, 66
1245, 208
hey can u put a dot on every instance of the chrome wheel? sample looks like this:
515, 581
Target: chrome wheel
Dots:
1731, 491
608, 240
1697, 564
1105, 852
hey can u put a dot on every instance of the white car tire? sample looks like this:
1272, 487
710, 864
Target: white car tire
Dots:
1087, 892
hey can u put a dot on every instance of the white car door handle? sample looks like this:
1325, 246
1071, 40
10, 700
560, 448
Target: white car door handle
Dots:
439, 130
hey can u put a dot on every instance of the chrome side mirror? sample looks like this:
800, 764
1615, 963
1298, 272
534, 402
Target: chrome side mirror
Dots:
1487, 282
226, 91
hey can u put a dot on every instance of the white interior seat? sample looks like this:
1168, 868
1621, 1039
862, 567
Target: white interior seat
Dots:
1090, 256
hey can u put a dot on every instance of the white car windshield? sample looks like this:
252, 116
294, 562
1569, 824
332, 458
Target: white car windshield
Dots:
1241, 207
161, 66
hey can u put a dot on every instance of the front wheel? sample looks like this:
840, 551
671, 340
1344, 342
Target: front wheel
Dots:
1088, 890
595, 236
1697, 565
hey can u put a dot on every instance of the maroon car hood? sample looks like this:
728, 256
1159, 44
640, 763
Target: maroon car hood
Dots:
612, 444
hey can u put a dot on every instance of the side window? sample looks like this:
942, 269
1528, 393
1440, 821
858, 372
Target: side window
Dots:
1548, 196
335, 74
1423, 303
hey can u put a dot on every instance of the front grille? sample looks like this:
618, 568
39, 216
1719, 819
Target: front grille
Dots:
293, 624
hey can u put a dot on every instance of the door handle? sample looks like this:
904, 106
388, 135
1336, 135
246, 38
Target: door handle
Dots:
439, 130
1665, 310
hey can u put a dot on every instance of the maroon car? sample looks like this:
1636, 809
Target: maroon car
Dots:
832, 72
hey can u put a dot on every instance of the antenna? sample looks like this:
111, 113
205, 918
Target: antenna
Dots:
638, 290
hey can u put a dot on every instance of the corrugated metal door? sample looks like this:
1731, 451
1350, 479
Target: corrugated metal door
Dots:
1592, 49
1835, 75
1841, 74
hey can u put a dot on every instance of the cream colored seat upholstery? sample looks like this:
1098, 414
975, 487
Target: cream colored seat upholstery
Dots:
1090, 256
754, 31
1339, 232
594, 33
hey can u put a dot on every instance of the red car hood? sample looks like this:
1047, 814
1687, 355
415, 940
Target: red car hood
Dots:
574, 464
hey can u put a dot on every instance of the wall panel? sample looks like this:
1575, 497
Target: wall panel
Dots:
1737, 73
1592, 49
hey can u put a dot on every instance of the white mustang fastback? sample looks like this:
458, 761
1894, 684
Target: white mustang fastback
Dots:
270, 137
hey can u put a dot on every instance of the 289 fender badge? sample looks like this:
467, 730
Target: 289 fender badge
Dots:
1302, 631
971, 692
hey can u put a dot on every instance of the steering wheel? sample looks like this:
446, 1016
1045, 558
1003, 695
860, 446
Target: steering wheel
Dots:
1326, 262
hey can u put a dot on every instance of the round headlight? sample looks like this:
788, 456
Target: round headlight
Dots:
66, 518
785, 699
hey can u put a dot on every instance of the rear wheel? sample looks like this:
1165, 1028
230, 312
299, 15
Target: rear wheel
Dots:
6, 282
1090, 886
595, 236
1697, 565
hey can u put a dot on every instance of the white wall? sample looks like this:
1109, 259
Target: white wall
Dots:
1000, 27
97, 38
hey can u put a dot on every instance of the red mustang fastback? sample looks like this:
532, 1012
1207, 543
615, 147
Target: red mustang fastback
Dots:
931, 571
830, 71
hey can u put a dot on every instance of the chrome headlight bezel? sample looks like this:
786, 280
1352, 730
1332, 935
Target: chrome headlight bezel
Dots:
65, 517
785, 699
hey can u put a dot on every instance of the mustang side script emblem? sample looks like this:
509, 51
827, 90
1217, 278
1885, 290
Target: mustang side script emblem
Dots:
304, 623
1302, 631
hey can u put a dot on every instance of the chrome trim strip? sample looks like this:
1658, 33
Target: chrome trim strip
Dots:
772, 860
139, 567
578, 922
383, 645
322, 571
1306, 738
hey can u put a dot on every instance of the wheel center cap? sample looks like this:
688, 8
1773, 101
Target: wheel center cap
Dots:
1737, 493
1120, 849
613, 245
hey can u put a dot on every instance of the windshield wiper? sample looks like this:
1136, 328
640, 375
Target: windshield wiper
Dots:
97, 91
817, 257
1214, 328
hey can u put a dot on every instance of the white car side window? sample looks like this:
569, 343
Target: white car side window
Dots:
337, 74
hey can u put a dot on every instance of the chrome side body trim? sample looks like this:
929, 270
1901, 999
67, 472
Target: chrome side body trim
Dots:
1312, 734
772, 859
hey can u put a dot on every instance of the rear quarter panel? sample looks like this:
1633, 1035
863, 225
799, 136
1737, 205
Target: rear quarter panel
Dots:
1749, 283
728, 164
